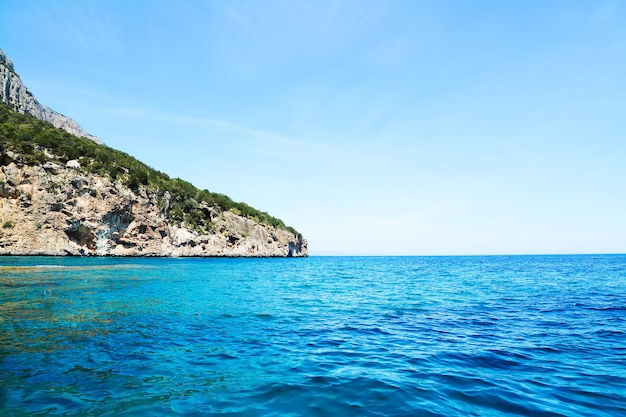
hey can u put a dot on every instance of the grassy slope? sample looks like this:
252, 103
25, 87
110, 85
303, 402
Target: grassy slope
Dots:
30, 138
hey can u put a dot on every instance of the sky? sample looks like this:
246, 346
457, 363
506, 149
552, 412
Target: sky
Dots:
372, 127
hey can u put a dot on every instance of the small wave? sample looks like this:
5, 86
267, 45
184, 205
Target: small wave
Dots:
328, 395
264, 316
69, 267
365, 330
609, 308
9, 268
52, 266
28, 284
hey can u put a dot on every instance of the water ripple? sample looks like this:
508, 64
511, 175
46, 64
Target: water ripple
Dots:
481, 336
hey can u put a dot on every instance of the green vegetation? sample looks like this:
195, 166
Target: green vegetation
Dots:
38, 142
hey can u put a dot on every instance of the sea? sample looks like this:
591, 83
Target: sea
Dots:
318, 336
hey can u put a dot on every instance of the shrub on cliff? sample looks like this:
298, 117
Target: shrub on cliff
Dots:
37, 142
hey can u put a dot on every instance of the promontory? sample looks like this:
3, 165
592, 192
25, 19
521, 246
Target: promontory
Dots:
63, 192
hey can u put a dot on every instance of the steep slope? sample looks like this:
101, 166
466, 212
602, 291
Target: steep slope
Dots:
55, 210
61, 194
19, 98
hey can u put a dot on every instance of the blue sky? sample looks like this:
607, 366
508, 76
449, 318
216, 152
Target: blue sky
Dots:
372, 127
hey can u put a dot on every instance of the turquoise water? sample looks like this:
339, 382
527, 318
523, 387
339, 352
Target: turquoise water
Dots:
321, 336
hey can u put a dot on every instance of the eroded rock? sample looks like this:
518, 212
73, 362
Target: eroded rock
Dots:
65, 212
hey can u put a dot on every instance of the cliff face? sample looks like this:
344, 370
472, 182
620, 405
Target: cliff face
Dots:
50, 205
16, 96
59, 210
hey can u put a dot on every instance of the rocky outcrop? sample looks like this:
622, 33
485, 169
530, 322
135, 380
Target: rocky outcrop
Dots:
49, 205
52, 209
19, 98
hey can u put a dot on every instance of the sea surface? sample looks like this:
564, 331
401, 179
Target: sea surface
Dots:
318, 336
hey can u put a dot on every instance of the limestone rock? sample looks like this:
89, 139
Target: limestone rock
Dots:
57, 210
72, 163
52, 167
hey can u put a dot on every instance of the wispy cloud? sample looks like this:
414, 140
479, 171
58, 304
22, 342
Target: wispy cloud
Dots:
268, 139
83, 26
257, 36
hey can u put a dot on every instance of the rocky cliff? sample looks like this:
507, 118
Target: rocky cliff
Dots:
62, 194
19, 98
52, 209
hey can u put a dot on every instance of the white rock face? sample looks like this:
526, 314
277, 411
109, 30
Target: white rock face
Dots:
19, 98
56, 210
74, 164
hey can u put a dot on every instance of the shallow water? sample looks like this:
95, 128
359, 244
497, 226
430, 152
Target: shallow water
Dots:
373, 336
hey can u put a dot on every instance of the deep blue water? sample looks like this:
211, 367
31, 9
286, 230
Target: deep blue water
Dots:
322, 336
